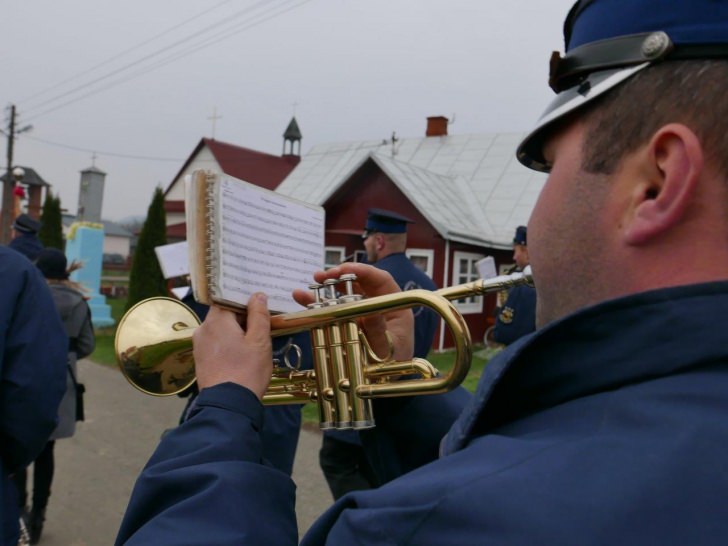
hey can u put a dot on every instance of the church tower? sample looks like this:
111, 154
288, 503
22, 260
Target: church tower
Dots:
91, 195
291, 136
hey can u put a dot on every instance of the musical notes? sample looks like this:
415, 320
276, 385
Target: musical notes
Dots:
261, 241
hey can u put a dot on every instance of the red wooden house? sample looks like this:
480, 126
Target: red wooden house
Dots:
466, 194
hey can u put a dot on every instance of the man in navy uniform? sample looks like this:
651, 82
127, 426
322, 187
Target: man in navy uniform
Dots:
517, 317
385, 241
346, 465
25, 236
607, 425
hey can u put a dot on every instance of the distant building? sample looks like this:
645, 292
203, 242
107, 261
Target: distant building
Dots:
35, 186
256, 167
466, 194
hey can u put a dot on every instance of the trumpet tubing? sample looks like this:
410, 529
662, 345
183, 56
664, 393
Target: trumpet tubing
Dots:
154, 350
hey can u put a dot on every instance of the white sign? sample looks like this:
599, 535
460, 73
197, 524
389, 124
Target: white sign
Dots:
486, 267
173, 259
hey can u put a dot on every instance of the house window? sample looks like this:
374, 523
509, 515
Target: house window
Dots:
465, 270
422, 258
360, 256
505, 269
333, 255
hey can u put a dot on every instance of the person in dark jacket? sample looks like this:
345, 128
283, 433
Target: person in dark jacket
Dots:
346, 464
282, 427
25, 236
75, 314
32, 376
607, 425
517, 317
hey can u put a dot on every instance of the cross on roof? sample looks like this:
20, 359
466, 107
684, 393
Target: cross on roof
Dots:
214, 119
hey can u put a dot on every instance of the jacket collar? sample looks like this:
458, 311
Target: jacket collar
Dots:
615, 343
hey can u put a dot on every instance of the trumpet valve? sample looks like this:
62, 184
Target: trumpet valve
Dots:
316, 291
330, 297
348, 280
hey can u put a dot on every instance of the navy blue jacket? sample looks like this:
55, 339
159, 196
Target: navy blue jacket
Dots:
607, 427
33, 354
410, 277
518, 315
408, 429
27, 244
282, 427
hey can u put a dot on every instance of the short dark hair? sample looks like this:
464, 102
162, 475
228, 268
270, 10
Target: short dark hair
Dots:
689, 92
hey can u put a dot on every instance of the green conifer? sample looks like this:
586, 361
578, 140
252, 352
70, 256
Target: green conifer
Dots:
51, 229
146, 279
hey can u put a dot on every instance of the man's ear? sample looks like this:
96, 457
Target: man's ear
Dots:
668, 171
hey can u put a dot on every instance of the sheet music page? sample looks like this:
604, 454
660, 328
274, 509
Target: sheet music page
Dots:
486, 267
268, 243
173, 259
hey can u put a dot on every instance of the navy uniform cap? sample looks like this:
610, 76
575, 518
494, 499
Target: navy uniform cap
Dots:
26, 224
385, 221
520, 237
608, 41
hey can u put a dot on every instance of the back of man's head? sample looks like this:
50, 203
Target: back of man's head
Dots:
390, 230
636, 137
610, 42
26, 224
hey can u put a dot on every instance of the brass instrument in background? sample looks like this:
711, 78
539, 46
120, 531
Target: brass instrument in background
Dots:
154, 349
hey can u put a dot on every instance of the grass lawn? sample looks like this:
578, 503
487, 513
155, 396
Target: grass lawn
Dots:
104, 354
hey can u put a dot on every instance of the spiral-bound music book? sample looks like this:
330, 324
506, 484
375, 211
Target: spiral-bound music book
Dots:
244, 239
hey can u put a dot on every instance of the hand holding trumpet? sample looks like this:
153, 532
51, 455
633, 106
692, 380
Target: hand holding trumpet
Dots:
226, 350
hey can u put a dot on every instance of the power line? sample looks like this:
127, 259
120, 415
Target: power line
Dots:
244, 25
140, 60
125, 52
110, 154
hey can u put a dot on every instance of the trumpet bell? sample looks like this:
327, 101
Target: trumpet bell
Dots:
153, 346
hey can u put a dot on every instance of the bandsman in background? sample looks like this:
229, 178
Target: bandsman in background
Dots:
25, 236
517, 316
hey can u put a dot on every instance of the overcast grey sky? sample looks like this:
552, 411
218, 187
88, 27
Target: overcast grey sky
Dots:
137, 81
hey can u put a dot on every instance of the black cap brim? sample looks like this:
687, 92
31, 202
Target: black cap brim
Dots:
530, 151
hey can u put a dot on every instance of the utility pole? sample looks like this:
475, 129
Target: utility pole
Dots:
6, 213
7, 209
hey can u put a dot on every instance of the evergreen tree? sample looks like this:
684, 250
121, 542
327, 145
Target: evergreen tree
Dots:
146, 279
51, 229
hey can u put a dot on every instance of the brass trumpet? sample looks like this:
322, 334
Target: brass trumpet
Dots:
154, 349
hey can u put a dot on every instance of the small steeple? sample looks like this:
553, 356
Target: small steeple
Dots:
292, 135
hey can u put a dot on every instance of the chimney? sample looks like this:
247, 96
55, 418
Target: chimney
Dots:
436, 126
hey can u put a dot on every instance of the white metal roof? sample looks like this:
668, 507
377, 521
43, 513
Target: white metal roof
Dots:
471, 188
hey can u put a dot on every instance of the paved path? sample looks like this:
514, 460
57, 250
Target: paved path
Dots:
96, 469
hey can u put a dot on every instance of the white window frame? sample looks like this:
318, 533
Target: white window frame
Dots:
340, 249
426, 253
473, 304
